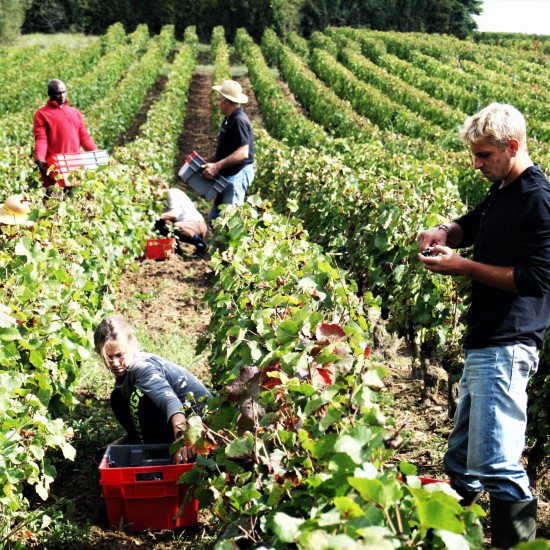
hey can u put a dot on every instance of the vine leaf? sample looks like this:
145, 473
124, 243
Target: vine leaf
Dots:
329, 333
241, 448
286, 527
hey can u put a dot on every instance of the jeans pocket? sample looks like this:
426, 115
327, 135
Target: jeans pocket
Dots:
524, 366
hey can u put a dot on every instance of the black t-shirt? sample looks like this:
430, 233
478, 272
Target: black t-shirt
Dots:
235, 132
511, 227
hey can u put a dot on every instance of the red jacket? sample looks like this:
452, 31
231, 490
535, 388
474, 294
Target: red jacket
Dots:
60, 130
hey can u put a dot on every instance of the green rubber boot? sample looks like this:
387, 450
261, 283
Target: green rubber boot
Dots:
513, 522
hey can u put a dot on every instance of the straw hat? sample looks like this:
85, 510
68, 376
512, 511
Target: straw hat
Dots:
15, 210
232, 90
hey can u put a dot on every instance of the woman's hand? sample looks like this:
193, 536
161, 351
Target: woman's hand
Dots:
184, 455
178, 422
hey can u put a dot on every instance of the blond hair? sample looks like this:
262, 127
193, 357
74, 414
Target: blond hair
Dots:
114, 329
498, 123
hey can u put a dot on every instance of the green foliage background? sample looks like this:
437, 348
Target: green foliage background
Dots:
363, 176
302, 16
12, 15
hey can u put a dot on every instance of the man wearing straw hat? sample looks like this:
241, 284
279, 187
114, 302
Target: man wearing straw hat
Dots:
234, 155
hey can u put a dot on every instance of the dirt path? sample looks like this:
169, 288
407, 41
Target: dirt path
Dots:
177, 285
198, 129
152, 95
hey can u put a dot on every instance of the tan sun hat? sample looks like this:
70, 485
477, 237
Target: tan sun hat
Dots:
231, 90
15, 210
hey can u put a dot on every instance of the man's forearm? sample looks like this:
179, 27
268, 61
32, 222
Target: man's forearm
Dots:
234, 158
491, 275
212, 168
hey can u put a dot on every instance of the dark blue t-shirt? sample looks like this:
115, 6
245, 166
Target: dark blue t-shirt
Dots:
235, 132
511, 227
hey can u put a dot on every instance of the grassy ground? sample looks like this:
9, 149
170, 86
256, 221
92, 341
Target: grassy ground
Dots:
75, 41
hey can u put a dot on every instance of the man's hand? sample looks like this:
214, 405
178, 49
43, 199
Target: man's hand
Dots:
443, 260
210, 170
432, 236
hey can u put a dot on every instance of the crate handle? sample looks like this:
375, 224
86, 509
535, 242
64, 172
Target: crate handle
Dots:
150, 476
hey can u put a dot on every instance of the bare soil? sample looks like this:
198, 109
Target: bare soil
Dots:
133, 132
178, 285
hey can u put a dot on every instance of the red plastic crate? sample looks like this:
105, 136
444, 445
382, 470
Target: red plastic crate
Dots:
145, 496
66, 163
160, 249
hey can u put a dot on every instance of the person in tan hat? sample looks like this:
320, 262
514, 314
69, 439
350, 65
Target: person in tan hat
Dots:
15, 211
234, 155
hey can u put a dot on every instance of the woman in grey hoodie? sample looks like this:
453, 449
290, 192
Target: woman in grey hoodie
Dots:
151, 396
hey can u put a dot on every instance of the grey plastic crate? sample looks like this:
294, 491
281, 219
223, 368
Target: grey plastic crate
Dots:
125, 456
192, 176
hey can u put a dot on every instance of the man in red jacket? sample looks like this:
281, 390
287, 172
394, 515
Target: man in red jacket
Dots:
58, 129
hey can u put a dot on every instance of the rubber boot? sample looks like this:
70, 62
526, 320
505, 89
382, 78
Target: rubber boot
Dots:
512, 522
468, 497
201, 246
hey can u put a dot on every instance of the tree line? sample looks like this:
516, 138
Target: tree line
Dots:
302, 16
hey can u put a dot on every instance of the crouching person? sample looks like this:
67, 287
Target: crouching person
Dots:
150, 392
186, 222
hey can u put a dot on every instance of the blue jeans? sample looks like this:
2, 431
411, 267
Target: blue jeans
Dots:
486, 443
235, 192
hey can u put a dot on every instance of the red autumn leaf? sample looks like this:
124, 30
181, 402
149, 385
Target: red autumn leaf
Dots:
291, 423
269, 382
326, 375
204, 446
292, 478
330, 332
